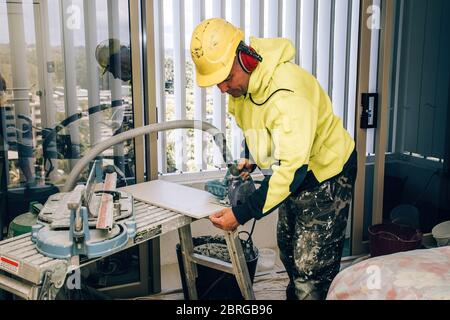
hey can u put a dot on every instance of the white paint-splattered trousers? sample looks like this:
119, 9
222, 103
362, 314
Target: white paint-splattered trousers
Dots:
311, 234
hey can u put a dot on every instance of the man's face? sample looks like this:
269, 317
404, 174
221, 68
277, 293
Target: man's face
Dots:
236, 84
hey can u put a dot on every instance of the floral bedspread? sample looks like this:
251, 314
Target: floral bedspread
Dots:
413, 275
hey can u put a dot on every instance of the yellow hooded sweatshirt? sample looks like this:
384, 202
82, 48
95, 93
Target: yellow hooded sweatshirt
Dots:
289, 128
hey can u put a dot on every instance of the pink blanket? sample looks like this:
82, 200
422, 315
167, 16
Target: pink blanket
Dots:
412, 275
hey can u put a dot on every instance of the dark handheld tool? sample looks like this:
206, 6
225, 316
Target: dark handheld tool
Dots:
233, 189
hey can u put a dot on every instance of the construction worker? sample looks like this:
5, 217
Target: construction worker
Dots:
292, 135
115, 58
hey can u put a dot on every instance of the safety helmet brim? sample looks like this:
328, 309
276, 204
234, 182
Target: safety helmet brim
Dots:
215, 78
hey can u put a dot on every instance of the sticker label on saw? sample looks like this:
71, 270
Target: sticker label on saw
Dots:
9, 265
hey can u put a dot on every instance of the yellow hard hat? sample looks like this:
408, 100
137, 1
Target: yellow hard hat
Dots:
213, 48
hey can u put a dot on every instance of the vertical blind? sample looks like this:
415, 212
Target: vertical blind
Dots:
324, 33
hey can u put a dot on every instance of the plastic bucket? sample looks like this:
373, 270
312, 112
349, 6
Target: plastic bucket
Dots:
19, 199
405, 214
390, 238
266, 260
213, 284
441, 233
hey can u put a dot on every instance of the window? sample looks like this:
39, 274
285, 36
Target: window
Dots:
59, 102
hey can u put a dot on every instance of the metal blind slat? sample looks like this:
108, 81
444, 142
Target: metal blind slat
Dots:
338, 76
332, 48
307, 36
298, 26
160, 81
315, 36
347, 105
238, 19
257, 18
290, 26
394, 130
273, 24
324, 33
70, 78
90, 21
323, 43
219, 114
352, 68
179, 82
200, 138
116, 84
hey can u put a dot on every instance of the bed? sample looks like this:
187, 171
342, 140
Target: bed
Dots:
422, 274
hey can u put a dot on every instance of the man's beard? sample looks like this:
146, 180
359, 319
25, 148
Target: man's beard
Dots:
236, 93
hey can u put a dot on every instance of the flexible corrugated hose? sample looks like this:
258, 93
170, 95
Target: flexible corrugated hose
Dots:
218, 136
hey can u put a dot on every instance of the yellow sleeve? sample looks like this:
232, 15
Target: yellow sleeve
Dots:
293, 134
292, 127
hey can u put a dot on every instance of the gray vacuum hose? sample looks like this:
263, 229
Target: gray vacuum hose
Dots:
219, 139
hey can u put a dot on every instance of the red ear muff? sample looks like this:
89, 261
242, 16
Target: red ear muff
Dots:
248, 58
247, 62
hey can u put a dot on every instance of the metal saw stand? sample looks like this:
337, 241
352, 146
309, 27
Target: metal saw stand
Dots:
237, 267
30, 275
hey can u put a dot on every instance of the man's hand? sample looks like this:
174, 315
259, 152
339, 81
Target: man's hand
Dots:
245, 164
224, 219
